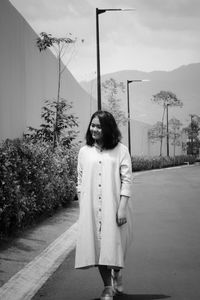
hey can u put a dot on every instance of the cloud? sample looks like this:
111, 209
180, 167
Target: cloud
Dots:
52, 10
158, 35
170, 15
179, 8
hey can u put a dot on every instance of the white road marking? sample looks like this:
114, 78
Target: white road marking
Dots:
25, 283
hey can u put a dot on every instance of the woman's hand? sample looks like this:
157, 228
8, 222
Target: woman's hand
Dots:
121, 213
121, 216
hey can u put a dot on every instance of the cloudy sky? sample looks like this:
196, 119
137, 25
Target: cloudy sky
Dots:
158, 35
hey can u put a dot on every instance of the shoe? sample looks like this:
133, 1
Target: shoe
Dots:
117, 282
107, 293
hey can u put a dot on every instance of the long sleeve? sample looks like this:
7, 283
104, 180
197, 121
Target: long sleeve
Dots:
125, 173
79, 171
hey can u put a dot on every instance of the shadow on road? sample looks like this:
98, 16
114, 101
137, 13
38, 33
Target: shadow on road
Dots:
139, 297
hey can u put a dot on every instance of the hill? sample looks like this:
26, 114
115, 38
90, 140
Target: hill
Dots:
183, 81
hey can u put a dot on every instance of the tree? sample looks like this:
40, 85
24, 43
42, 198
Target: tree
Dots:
192, 131
66, 124
166, 99
112, 90
157, 133
59, 47
175, 132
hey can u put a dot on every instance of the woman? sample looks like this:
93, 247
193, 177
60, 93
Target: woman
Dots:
104, 189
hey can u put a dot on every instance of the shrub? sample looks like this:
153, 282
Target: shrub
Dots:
34, 180
142, 163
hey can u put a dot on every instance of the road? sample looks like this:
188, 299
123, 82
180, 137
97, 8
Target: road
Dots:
164, 259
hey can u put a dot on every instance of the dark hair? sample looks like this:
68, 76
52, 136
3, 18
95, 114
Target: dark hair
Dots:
110, 131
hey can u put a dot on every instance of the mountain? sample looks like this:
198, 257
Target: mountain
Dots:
183, 81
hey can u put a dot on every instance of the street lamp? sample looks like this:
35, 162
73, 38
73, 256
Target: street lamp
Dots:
167, 106
128, 108
98, 12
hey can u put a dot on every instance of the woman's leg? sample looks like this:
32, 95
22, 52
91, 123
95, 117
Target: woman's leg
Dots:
107, 293
105, 274
117, 280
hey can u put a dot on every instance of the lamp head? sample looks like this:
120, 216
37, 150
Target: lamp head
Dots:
137, 80
103, 10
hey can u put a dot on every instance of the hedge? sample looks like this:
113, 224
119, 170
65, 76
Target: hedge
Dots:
34, 181
142, 163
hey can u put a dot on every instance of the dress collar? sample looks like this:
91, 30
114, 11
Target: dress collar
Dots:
98, 147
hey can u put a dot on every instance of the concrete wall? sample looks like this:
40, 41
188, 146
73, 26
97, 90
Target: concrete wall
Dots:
28, 77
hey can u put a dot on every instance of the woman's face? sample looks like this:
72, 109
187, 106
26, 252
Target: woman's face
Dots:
95, 129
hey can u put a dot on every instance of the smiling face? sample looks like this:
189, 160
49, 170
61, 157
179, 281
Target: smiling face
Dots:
96, 130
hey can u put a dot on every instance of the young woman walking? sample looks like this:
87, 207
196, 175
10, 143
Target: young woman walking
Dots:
104, 189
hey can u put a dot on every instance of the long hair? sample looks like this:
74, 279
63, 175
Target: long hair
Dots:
110, 131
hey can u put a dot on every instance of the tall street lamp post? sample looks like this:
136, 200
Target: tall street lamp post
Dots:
98, 12
128, 109
167, 106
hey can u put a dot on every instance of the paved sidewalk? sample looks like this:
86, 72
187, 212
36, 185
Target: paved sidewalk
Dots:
28, 260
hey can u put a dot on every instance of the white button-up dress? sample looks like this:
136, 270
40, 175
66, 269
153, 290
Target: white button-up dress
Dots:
103, 176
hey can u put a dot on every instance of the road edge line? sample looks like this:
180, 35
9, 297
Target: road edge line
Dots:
25, 283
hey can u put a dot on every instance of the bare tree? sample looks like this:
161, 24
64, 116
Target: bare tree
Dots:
167, 99
59, 46
175, 132
157, 133
112, 90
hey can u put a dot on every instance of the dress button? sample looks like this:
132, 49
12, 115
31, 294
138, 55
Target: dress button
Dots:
99, 174
99, 184
100, 161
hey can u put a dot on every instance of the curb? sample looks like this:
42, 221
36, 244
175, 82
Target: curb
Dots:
161, 169
24, 284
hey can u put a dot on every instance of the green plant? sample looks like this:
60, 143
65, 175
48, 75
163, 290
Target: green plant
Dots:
34, 180
66, 124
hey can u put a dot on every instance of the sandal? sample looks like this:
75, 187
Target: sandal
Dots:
107, 293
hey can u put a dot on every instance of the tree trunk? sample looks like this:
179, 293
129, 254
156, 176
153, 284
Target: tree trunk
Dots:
55, 135
174, 146
161, 140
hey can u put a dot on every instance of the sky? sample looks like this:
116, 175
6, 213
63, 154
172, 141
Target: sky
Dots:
157, 35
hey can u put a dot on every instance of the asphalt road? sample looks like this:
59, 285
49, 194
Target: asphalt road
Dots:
164, 259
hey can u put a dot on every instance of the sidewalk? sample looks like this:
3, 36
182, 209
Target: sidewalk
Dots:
28, 260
